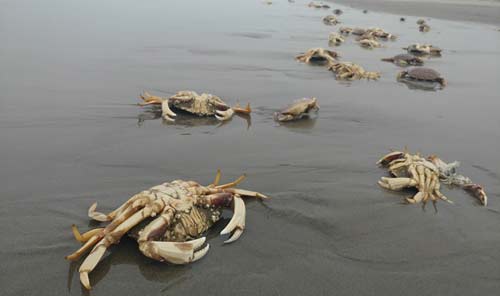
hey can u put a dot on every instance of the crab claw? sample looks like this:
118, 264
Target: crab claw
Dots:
477, 191
92, 213
224, 115
167, 113
176, 252
246, 110
237, 223
388, 158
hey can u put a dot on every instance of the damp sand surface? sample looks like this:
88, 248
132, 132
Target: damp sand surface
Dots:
71, 135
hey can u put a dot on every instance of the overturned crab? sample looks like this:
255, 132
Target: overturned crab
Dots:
421, 75
335, 39
404, 60
330, 20
369, 43
412, 170
317, 56
297, 110
178, 214
423, 49
351, 71
318, 5
191, 102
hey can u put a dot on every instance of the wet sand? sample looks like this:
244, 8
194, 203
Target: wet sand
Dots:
480, 11
71, 135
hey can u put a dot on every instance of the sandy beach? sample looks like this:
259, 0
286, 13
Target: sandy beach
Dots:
487, 11
72, 134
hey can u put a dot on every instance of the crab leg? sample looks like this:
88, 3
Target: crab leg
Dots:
113, 237
85, 236
216, 180
149, 99
232, 184
396, 183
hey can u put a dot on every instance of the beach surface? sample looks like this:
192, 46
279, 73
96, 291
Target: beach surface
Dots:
72, 134
481, 11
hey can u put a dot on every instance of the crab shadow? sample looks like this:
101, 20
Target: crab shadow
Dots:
127, 253
185, 119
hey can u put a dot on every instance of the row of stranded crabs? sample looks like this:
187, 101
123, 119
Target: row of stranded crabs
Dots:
171, 219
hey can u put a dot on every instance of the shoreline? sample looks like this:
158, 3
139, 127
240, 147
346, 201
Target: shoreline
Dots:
485, 12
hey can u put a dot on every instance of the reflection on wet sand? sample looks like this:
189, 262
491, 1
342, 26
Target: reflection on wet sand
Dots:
186, 119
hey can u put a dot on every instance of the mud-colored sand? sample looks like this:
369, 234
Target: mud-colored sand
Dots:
71, 135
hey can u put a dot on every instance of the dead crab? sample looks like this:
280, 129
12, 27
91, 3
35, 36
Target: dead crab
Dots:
421, 74
369, 43
424, 27
380, 33
338, 11
318, 5
351, 71
330, 20
423, 49
412, 170
345, 30
178, 214
191, 102
335, 39
404, 60
317, 56
297, 110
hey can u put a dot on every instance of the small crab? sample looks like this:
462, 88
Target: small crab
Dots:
404, 60
358, 31
424, 27
423, 49
297, 110
317, 56
420, 21
338, 11
351, 71
412, 170
191, 102
335, 39
369, 43
177, 214
330, 20
379, 33
421, 74
345, 30
318, 5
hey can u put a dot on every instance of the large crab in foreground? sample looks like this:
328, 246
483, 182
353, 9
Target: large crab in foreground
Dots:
177, 213
191, 102
351, 71
317, 56
297, 110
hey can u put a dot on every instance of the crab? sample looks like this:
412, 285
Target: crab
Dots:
335, 39
351, 71
345, 30
317, 56
318, 5
420, 21
421, 74
448, 175
330, 20
423, 49
338, 11
369, 43
424, 27
379, 33
297, 110
191, 102
358, 31
405, 60
412, 170
177, 213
